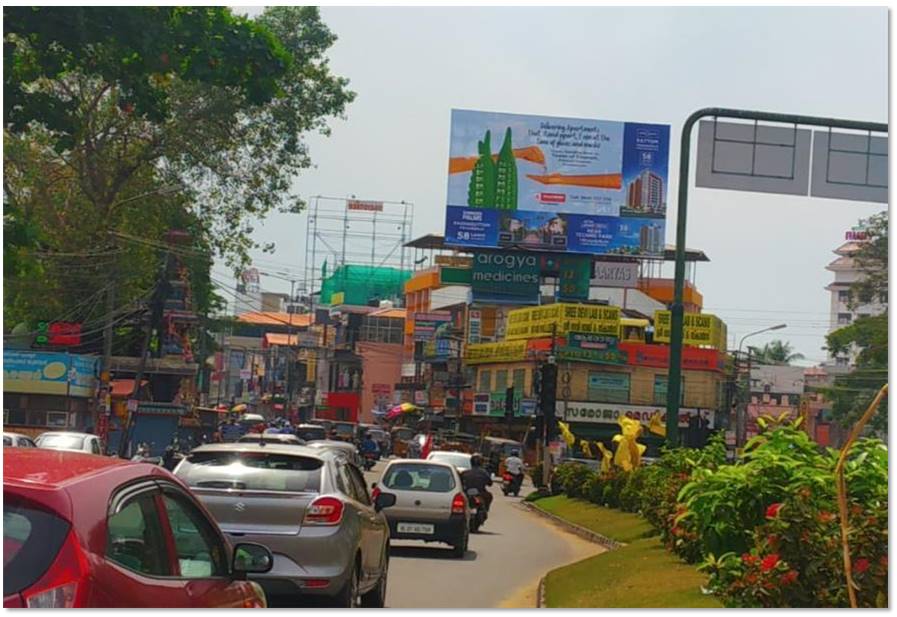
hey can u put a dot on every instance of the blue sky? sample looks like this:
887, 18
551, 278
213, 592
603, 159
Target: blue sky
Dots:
411, 66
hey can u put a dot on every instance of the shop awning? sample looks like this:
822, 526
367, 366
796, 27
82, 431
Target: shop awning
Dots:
123, 388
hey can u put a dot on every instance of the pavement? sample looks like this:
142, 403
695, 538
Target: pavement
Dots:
502, 568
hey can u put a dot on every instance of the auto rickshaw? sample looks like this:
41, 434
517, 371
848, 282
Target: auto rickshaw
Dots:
495, 450
400, 436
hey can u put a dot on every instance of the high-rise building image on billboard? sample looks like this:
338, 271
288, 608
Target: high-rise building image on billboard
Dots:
651, 238
645, 193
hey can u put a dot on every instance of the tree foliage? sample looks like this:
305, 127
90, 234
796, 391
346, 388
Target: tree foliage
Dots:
872, 260
775, 352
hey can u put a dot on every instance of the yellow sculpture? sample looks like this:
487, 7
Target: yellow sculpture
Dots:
586, 449
656, 425
629, 452
606, 458
566, 434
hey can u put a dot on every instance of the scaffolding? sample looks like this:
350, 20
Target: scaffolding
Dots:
348, 231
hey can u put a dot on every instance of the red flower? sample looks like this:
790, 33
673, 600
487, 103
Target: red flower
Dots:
750, 579
788, 577
860, 565
826, 517
773, 510
769, 562
748, 559
773, 540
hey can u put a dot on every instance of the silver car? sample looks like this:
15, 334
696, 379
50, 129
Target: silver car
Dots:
343, 447
17, 440
309, 506
460, 460
430, 504
284, 439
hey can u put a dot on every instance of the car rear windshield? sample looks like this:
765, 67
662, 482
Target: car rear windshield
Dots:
311, 434
73, 442
254, 471
344, 429
416, 477
32, 537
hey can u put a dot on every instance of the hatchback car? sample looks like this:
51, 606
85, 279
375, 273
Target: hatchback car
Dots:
344, 447
310, 506
311, 432
430, 504
67, 440
81, 530
15, 440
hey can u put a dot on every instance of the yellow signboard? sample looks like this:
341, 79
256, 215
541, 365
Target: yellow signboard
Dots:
483, 353
700, 329
562, 318
337, 298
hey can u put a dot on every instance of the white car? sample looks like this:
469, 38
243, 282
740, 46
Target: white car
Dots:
459, 460
65, 440
17, 440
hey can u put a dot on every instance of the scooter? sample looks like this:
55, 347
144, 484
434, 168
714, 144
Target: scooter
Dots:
511, 484
478, 513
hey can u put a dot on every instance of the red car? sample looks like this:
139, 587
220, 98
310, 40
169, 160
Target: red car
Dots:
81, 530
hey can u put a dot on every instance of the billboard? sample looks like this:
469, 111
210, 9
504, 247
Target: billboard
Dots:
485, 353
698, 329
564, 184
561, 318
505, 278
34, 372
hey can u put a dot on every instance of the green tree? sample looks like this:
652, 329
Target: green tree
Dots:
872, 260
775, 352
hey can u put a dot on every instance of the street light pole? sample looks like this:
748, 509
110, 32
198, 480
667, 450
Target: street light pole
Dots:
741, 409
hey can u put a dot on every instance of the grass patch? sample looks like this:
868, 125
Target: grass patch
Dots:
619, 526
642, 574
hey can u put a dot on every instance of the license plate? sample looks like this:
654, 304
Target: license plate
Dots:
415, 528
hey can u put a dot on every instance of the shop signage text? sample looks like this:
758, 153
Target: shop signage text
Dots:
608, 413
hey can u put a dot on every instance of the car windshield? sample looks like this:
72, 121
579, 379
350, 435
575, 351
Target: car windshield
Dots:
416, 477
311, 433
59, 440
31, 539
451, 458
344, 429
259, 471
7, 441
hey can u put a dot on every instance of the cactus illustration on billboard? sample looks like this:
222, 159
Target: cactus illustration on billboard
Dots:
506, 176
481, 190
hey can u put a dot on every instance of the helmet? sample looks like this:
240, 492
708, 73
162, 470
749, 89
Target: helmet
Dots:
515, 452
476, 460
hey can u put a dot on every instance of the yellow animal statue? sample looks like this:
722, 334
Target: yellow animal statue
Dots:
629, 452
607, 458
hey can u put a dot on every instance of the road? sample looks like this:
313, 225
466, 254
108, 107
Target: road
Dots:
502, 567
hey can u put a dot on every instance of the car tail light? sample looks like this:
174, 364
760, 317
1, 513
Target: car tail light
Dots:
315, 583
375, 493
62, 586
458, 504
324, 511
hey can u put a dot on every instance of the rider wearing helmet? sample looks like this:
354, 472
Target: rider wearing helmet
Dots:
514, 466
478, 478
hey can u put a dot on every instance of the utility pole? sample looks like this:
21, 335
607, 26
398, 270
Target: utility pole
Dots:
548, 404
106, 366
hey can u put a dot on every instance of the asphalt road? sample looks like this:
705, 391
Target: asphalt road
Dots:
502, 567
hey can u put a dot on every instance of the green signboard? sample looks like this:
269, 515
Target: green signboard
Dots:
505, 278
454, 276
574, 274
587, 347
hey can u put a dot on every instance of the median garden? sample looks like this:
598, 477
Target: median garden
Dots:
764, 531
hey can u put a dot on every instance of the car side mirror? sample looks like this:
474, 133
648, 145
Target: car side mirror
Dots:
384, 500
251, 558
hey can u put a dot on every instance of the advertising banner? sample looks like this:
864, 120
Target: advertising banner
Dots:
574, 275
474, 326
482, 353
616, 274
32, 372
562, 318
700, 329
454, 261
425, 324
641, 354
564, 184
608, 413
449, 275
587, 347
481, 404
505, 278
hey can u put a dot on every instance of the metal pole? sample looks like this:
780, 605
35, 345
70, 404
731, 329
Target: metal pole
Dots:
677, 310
290, 357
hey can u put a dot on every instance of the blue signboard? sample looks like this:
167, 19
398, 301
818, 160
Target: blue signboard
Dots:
561, 184
45, 372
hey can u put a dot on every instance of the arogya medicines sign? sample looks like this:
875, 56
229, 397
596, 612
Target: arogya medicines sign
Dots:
564, 184
509, 278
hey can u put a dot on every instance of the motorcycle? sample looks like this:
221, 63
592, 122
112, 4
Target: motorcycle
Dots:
511, 483
370, 459
478, 513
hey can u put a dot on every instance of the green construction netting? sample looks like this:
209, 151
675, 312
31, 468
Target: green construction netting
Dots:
361, 284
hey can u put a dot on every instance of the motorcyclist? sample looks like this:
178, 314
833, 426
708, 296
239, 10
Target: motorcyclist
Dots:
478, 478
369, 446
514, 466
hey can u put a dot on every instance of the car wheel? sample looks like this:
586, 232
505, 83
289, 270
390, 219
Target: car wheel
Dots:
376, 597
348, 595
460, 549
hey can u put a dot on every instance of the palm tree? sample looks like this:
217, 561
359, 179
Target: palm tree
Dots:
775, 352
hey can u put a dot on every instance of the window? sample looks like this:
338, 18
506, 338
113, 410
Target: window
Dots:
660, 390
200, 551
501, 380
32, 538
843, 295
843, 318
519, 380
361, 490
485, 381
608, 387
251, 471
135, 538
7, 441
57, 419
23, 442
416, 477
95, 446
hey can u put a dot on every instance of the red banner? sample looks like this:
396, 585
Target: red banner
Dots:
693, 358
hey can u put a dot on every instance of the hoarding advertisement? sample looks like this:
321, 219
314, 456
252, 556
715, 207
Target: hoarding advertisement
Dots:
587, 347
608, 413
562, 318
698, 329
564, 184
483, 353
